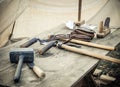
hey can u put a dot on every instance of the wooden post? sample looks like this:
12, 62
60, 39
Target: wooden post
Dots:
79, 22
79, 10
101, 27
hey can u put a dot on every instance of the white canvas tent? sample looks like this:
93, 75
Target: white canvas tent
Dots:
9, 12
32, 17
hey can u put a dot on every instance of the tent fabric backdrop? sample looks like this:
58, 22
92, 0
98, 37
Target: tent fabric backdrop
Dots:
9, 12
42, 15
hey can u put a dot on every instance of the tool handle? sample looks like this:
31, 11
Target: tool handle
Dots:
19, 68
101, 27
92, 44
92, 54
47, 47
39, 72
29, 43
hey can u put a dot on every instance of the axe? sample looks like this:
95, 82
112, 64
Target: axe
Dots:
79, 51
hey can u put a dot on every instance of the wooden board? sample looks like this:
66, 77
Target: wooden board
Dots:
62, 68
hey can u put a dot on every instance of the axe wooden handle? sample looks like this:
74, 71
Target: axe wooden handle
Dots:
88, 53
29, 43
91, 44
40, 73
47, 47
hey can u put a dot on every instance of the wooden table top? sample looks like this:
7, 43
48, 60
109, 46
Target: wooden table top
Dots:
62, 68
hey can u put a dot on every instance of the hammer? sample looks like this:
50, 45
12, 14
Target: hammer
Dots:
25, 55
79, 51
20, 56
84, 43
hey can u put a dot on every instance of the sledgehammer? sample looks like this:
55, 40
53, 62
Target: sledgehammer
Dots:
20, 56
24, 55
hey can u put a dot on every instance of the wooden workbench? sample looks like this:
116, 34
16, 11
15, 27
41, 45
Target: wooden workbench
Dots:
62, 68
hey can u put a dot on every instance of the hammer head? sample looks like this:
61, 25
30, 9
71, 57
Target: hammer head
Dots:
27, 53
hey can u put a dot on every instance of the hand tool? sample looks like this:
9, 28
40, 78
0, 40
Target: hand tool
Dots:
29, 43
47, 47
39, 72
81, 34
104, 30
84, 43
92, 54
53, 43
85, 52
91, 44
32, 41
20, 56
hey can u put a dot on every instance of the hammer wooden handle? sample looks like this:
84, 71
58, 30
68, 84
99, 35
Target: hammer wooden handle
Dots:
91, 44
92, 54
47, 47
29, 43
19, 68
39, 72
